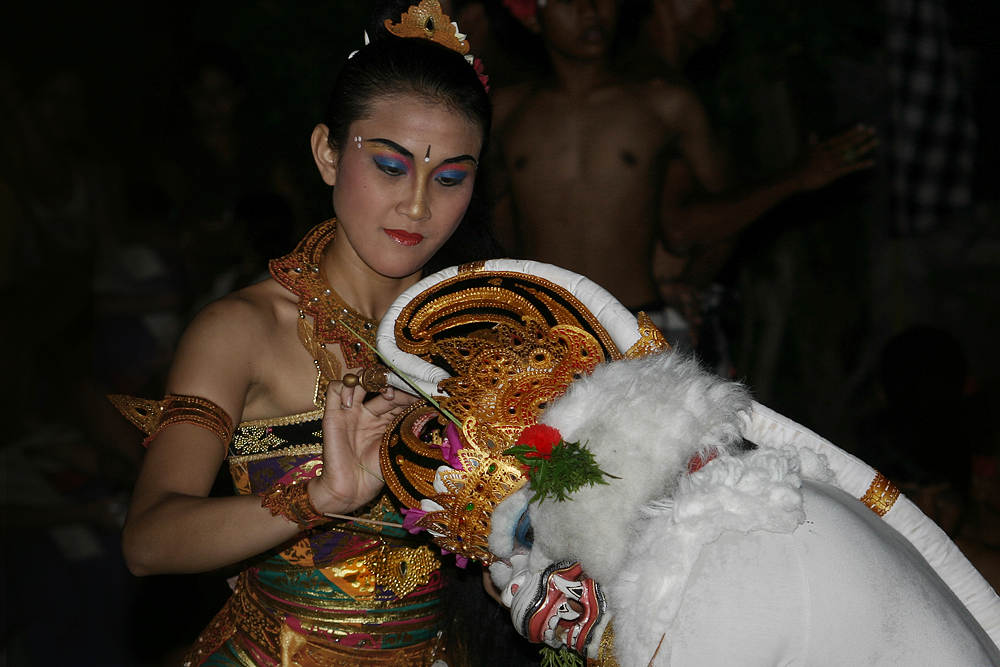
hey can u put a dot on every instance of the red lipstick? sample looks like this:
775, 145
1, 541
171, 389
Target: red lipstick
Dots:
403, 237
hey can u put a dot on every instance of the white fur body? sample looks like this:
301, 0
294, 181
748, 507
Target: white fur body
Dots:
757, 559
744, 569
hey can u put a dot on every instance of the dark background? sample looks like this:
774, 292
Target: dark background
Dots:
815, 290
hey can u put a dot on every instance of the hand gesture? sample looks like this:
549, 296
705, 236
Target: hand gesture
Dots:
828, 160
352, 434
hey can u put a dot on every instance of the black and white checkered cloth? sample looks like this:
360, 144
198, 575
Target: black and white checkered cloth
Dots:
931, 131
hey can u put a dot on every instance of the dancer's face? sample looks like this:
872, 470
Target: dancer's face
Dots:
402, 193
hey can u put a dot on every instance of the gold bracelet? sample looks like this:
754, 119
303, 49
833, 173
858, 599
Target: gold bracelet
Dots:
292, 502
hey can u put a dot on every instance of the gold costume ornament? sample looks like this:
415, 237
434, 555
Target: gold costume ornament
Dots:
153, 416
427, 21
301, 273
513, 343
881, 495
293, 503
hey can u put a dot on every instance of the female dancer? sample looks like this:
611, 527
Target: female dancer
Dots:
400, 145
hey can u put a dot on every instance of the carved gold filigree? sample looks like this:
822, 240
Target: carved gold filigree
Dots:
505, 376
651, 341
426, 20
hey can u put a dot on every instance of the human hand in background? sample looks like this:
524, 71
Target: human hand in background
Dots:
826, 161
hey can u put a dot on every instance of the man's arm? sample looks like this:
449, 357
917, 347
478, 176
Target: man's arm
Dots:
702, 209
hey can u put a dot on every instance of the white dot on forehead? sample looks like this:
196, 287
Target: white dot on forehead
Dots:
427, 158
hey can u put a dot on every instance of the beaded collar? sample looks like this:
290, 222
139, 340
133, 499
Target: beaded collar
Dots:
300, 273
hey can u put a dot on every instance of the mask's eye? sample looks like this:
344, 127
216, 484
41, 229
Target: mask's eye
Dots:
524, 534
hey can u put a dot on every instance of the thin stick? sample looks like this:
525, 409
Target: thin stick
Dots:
404, 378
359, 519
651, 660
371, 473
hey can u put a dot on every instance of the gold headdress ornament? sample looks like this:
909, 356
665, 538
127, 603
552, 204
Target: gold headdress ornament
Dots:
426, 20
513, 343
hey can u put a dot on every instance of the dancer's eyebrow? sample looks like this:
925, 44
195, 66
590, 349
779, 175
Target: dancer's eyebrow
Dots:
399, 149
393, 145
461, 158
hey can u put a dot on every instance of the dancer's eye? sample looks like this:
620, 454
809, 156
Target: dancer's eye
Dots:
390, 165
451, 177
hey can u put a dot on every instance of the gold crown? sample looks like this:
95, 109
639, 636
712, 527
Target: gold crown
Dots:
513, 343
427, 21
507, 376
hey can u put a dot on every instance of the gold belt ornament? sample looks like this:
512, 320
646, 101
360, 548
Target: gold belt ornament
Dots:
400, 570
298, 650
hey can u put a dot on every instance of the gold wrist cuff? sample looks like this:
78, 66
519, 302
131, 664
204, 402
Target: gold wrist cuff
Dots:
293, 503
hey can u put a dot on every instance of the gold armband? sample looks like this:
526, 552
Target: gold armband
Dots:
152, 416
292, 502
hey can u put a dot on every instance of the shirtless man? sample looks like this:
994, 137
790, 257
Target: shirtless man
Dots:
600, 166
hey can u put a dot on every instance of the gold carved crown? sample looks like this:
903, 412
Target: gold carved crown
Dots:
512, 343
427, 21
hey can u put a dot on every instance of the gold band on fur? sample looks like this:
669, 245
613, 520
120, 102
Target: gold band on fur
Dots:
880, 495
605, 650
153, 416
293, 503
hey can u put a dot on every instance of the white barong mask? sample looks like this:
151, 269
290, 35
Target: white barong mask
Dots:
551, 603
498, 344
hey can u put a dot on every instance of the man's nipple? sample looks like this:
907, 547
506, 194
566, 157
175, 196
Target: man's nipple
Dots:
629, 159
520, 163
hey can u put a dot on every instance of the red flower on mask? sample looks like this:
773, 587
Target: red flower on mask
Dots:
521, 9
542, 438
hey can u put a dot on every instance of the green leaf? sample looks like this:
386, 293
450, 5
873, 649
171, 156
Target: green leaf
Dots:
560, 658
569, 467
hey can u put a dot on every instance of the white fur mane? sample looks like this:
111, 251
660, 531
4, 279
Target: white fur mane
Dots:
643, 420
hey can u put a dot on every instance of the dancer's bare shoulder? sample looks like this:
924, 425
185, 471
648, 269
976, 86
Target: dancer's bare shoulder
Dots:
230, 343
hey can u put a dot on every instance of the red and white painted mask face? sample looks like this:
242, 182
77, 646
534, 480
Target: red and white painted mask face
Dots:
559, 607
551, 603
